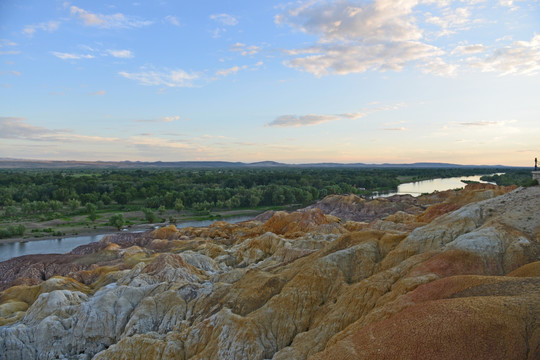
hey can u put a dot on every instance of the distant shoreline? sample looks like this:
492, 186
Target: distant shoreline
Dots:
83, 231
89, 232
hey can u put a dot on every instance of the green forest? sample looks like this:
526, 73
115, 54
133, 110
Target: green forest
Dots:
93, 198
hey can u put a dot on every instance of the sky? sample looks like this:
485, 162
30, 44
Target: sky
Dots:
383, 81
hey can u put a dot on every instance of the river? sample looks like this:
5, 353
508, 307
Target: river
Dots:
428, 186
66, 244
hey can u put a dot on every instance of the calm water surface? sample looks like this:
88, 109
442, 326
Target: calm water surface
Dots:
428, 186
66, 244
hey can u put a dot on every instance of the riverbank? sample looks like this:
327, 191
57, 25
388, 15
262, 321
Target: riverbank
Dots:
80, 231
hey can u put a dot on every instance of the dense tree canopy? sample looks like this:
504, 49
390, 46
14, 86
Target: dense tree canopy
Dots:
51, 194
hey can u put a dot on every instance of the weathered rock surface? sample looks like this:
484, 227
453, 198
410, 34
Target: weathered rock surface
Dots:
451, 275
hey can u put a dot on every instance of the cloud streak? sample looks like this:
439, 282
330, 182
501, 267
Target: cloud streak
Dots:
315, 119
169, 78
49, 26
72, 56
164, 119
244, 49
123, 54
18, 128
118, 20
224, 19
303, 120
231, 70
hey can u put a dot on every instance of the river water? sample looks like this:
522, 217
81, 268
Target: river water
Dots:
428, 186
64, 245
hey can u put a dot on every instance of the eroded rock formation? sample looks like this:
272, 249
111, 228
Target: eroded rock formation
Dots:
450, 275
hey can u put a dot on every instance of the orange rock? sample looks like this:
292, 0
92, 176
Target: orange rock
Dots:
295, 223
168, 232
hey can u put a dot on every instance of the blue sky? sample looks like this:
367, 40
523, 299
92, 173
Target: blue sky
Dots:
301, 81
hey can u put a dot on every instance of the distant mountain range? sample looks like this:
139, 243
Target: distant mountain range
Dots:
6, 163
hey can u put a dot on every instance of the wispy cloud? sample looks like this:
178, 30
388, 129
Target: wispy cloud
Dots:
164, 119
469, 49
353, 116
438, 66
10, 52
173, 20
451, 20
11, 72
244, 49
169, 78
401, 128
98, 93
48, 26
118, 20
520, 58
4, 43
303, 120
224, 19
71, 56
231, 70
123, 54
315, 119
18, 128
483, 123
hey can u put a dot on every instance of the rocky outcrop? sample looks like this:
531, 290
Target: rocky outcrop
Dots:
449, 275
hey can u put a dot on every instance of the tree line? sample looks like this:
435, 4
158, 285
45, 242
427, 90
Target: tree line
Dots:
51, 194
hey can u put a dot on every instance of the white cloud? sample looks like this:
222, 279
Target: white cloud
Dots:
304, 120
244, 49
224, 19
71, 56
107, 21
438, 66
469, 49
353, 37
381, 20
511, 4
171, 118
395, 129
520, 58
98, 93
172, 20
49, 26
172, 78
124, 54
451, 20
231, 70
355, 58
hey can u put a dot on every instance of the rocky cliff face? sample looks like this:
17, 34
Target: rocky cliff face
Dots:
451, 275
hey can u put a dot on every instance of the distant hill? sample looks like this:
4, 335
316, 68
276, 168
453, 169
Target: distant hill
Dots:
6, 163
